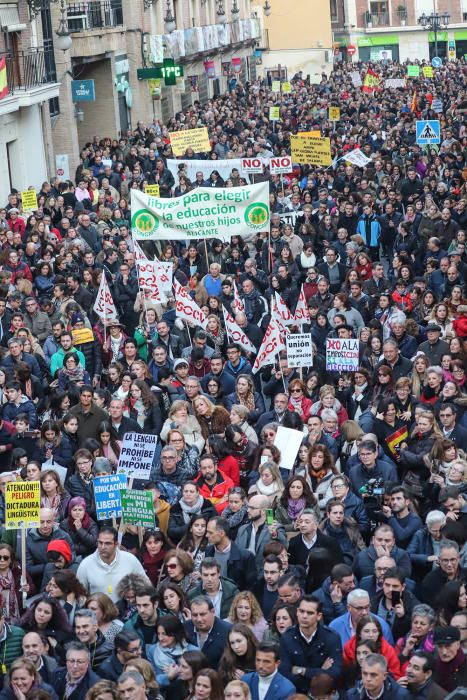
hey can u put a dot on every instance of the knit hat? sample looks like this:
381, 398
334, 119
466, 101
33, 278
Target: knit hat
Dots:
76, 318
60, 547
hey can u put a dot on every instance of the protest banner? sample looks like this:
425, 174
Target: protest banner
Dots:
413, 71
286, 87
427, 71
274, 113
394, 83
104, 305
82, 335
334, 114
29, 200
252, 166
276, 86
137, 507
22, 504
197, 139
235, 333
137, 455
357, 157
107, 495
299, 350
153, 190
288, 443
342, 355
165, 273
356, 78
187, 309
202, 213
280, 166
310, 150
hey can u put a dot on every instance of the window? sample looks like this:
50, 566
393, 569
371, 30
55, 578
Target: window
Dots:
333, 5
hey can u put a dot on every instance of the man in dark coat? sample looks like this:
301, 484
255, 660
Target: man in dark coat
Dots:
309, 538
127, 646
75, 679
239, 564
88, 633
207, 631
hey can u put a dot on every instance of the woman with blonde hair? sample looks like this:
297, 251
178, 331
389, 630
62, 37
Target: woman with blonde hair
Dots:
23, 678
351, 432
238, 417
246, 609
215, 333
419, 373
237, 690
143, 667
103, 690
269, 484
212, 419
180, 418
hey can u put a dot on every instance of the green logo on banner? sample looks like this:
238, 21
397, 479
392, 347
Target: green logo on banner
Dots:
144, 222
257, 215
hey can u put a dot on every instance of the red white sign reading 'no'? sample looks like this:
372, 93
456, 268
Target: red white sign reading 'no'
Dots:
280, 166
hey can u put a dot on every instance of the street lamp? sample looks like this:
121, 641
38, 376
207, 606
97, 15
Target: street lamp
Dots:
169, 20
221, 16
235, 10
266, 8
64, 40
434, 23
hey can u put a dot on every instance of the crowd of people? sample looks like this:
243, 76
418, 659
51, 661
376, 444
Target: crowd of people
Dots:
344, 576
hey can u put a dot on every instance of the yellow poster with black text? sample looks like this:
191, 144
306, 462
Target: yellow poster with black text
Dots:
197, 139
22, 504
204, 212
29, 200
310, 151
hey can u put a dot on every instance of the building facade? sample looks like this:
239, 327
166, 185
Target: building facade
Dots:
295, 36
374, 26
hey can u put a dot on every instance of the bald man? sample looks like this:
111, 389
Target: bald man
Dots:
256, 533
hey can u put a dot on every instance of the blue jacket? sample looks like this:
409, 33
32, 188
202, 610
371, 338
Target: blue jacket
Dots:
11, 410
354, 508
341, 625
280, 689
329, 609
215, 642
419, 549
374, 230
295, 651
392, 691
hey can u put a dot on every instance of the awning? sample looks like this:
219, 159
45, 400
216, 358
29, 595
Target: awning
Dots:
9, 19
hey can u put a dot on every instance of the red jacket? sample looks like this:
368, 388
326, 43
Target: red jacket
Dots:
387, 651
460, 326
215, 493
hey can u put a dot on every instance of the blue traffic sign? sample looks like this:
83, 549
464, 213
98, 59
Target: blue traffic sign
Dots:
82, 91
428, 131
436, 62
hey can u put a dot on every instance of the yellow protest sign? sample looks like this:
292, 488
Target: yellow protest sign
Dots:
276, 86
197, 139
22, 504
427, 71
153, 190
334, 114
155, 88
29, 200
314, 134
82, 335
274, 113
286, 87
311, 151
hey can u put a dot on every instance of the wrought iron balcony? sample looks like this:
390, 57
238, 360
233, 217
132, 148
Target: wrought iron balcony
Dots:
29, 68
376, 20
96, 14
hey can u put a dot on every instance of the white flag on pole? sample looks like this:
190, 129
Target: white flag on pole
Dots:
284, 311
187, 308
357, 157
237, 304
273, 343
104, 305
302, 314
236, 334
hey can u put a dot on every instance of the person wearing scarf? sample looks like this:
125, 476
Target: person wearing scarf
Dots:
451, 665
72, 372
81, 528
171, 646
191, 503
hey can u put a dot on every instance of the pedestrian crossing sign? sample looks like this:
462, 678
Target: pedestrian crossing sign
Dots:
428, 131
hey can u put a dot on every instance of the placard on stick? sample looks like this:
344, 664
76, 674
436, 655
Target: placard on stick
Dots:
137, 455
22, 504
299, 350
107, 495
137, 507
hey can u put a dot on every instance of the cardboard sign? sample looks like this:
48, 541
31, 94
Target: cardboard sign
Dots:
137, 507
280, 166
22, 504
274, 113
311, 151
153, 190
427, 71
82, 335
252, 165
107, 495
276, 86
137, 455
286, 88
288, 443
299, 350
334, 114
342, 355
413, 71
197, 139
29, 200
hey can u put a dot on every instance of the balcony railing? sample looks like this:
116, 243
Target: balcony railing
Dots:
96, 14
29, 68
376, 20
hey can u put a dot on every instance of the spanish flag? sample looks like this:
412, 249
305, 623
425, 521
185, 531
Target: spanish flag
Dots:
371, 81
395, 439
3, 80
413, 106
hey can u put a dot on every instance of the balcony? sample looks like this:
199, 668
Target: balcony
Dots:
371, 20
96, 14
29, 69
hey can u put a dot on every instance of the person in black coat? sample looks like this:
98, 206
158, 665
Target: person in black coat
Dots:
77, 671
241, 564
206, 631
126, 643
394, 603
80, 483
333, 271
80, 527
182, 513
299, 546
88, 633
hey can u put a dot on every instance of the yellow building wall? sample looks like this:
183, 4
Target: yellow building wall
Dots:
299, 24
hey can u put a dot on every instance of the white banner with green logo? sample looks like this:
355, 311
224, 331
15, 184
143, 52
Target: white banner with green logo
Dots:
202, 213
